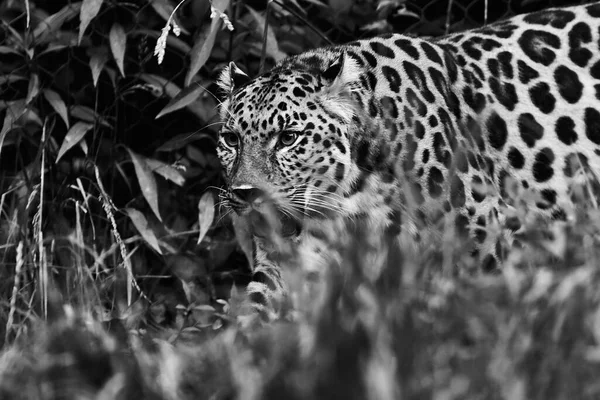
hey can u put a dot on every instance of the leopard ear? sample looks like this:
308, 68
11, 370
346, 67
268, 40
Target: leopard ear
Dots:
232, 77
343, 73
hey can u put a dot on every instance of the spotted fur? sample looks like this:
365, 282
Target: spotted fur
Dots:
344, 130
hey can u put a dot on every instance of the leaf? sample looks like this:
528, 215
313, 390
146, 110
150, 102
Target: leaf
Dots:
87, 114
8, 50
98, 57
89, 10
182, 140
141, 224
204, 44
53, 23
33, 89
171, 90
206, 214
182, 99
14, 111
10, 78
57, 104
166, 171
146, 181
118, 43
272, 45
73, 136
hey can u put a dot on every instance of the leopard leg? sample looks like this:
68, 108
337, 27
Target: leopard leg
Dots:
266, 293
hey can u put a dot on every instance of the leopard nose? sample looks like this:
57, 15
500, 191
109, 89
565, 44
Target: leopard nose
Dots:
247, 194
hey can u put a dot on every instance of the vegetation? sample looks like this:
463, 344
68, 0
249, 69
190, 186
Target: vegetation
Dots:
121, 276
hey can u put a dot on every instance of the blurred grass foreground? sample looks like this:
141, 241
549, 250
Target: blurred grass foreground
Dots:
121, 277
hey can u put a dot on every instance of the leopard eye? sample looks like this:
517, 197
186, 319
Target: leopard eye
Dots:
230, 139
288, 138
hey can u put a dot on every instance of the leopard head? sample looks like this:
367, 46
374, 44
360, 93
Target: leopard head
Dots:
284, 142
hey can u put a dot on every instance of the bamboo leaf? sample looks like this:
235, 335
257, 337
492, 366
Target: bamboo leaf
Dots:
98, 57
15, 110
33, 89
167, 171
118, 43
57, 104
10, 78
53, 23
205, 42
141, 224
89, 10
206, 214
73, 136
185, 97
87, 114
146, 181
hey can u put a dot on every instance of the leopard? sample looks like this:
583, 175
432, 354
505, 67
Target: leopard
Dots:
361, 130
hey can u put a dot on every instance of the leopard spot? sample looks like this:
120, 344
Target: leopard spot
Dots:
542, 98
265, 279
389, 105
595, 70
515, 158
392, 77
594, 10
419, 130
497, 132
569, 86
461, 223
591, 120
478, 189
556, 18
431, 53
580, 34
417, 77
530, 130
433, 121
526, 73
371, 60
382, 50
416, 102
542, 166
480, 235
434, 182
549, 199
457, 192
505, 92
451, 66
425, 156
565, 130
470, 47
539, 45
408, 48
461, 162
442, 155
473, 99
298, 92
340, 170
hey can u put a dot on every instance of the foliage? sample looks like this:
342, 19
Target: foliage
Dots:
108, 223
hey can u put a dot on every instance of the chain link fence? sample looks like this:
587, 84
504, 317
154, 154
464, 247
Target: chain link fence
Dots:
101, 85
